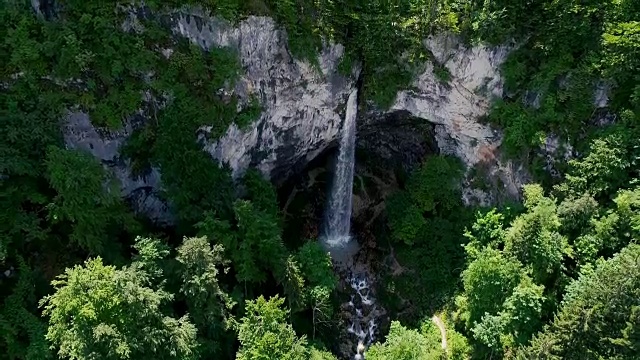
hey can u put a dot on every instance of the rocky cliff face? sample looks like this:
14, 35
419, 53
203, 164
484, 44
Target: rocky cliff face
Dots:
457, 105
142, 192
304, 106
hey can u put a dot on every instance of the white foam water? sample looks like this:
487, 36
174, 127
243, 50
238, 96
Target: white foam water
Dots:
338, 214
336, 235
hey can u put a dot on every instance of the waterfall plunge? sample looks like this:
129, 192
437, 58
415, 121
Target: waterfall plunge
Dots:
338, 213
337, 237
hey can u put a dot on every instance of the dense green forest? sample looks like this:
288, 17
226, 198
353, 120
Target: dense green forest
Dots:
556, 276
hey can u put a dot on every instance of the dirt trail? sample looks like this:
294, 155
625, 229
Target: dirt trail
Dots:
443, 332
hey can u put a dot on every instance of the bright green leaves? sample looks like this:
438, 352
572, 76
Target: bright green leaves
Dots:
487, 230
316, 354
533, 237
264, 333
516, 275
609, 232
621, 43
488, 281
501, 305
18, 323
407, 344
599, 316
316, 265
319, 281
521, 313
503, 301
425, 343
209, 306
99, 311
200, 264
602, 170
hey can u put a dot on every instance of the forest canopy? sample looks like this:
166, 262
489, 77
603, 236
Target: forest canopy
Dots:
556, 276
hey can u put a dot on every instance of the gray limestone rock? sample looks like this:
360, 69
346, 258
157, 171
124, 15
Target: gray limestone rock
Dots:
303, 106
141, 191
457, 107
303, 103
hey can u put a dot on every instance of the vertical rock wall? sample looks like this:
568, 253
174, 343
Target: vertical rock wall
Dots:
304, 106
303, 103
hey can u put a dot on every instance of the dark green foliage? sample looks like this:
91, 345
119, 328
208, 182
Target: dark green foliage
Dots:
253, 242
90, 46
18, 322
293, 284
384, 37
58, 205
87, 199
194, 183
599, 316
609, 163
427, 220
566, 49
298, 18
261, 192
433, 189
29, 125
209, 305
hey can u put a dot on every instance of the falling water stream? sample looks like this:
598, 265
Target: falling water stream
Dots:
337, 236
338, 215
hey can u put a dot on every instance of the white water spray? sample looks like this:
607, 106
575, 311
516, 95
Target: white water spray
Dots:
337, 234
338, 215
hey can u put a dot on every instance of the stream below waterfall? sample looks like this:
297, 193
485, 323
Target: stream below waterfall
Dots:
337, 239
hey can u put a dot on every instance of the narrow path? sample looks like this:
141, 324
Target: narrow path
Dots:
443, 332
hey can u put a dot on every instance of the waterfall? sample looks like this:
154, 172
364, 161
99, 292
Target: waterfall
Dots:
338, 214
336, 236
